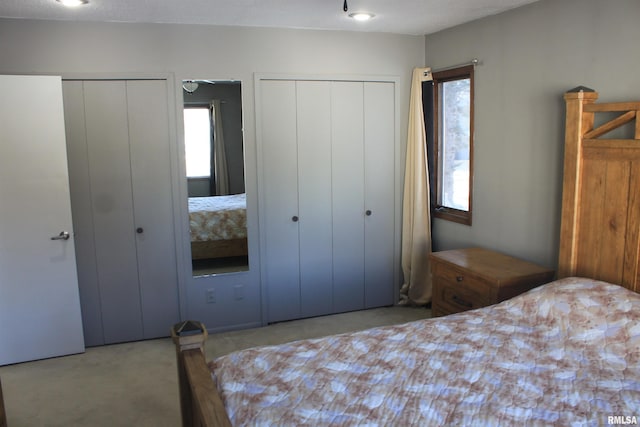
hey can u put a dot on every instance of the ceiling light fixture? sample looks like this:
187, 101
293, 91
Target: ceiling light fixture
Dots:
73, 3
361, 16
189, 86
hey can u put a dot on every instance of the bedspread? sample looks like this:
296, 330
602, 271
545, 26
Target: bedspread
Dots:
218, 217
566, 353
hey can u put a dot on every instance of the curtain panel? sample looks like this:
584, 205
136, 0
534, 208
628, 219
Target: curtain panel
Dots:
220, 173
416, 216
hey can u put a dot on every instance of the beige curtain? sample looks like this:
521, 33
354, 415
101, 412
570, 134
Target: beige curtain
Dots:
416, 217
220, 169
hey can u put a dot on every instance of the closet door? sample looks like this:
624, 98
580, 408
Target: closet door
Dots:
82, 211
363, 132
107, 138
149, 141
313, 99
119, 170
379, 194
280, 216
327, 194
347, 114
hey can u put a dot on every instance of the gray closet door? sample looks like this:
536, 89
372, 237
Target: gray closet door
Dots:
314, 196
347, 112
81, 210
121, 199
327, 156
379, 194
279, 225
363, 127
147, 106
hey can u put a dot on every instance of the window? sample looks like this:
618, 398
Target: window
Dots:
452, 121
197, 141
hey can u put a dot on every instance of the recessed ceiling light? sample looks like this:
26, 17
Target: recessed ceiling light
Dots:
73, 3
361, 16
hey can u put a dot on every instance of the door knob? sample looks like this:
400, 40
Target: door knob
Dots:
64, 235
294, 218
139, 230
368, 212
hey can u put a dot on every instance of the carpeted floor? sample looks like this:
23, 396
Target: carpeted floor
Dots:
135, 384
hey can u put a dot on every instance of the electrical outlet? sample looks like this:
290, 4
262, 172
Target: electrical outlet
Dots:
238, 292
211, 296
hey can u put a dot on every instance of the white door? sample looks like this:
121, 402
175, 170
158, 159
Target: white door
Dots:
39, 302
280, 219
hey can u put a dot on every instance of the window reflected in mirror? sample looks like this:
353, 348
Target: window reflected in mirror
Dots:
214, 155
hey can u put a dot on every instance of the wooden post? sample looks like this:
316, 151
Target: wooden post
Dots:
578, 122
188, 335
3, 414
200, 403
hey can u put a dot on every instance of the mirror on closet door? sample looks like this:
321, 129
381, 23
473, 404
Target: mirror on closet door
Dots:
214, 156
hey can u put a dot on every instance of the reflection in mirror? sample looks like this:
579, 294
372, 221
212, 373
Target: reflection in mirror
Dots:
214, 156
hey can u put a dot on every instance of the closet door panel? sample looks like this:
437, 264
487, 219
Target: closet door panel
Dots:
280, 199
348, 195
79, 179
153, 211
314, 193
109, 163
379, 100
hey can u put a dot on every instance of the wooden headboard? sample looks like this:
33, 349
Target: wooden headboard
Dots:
600, 223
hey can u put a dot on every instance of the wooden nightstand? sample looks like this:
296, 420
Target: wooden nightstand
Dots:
466, 279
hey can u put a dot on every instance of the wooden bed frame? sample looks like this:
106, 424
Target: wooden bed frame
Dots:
599, 237
219, 249
3, 415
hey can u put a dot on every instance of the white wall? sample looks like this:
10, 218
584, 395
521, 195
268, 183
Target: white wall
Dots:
206, 52
530, 57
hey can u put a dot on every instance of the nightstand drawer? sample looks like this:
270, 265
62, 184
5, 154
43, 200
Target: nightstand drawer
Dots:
454, 297
463, 279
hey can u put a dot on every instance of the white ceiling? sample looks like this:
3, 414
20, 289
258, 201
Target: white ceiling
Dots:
391, 16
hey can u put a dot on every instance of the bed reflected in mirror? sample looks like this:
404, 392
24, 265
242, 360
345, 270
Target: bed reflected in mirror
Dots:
214, 156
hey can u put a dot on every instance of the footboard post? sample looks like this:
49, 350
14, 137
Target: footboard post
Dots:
200, 403
188, 335
3, 415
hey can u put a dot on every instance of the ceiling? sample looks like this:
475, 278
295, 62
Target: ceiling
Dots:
391, 16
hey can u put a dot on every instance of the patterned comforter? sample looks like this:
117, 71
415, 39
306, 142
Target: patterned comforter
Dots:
218, 217
566, 353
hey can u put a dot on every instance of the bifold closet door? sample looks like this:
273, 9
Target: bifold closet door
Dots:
107, 134
313, 100
363, 129
379, 194
118, 144
147, 105
279, 226
327, 191
296, 131
347, 113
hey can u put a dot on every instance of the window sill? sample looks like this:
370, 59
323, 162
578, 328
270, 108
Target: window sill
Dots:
453, 215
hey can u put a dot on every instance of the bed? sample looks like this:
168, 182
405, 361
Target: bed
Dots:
565, 353
218, 226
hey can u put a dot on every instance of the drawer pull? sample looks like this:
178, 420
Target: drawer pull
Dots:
459, 278
461, 302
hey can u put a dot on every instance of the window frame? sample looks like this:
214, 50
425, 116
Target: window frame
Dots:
438, 210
